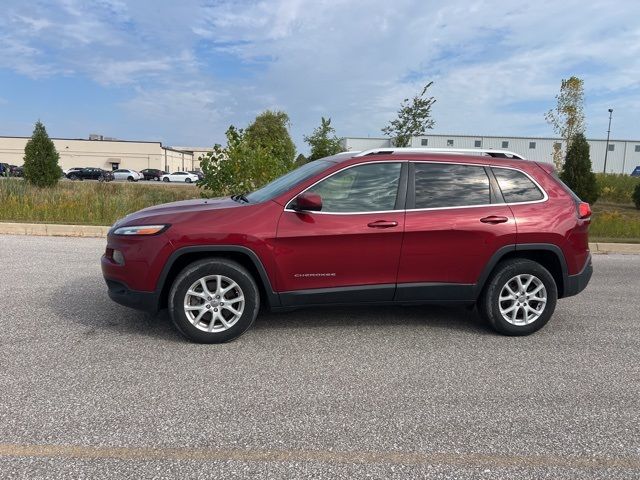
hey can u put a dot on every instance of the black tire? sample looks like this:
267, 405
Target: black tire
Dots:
165, 179
489, 305
187, 180
157, 179
202, 268
73, 177
129, 179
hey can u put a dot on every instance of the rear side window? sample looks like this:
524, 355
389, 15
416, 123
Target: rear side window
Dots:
439, 185
516, 186
364, 188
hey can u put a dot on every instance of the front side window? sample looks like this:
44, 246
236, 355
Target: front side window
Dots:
439, 185
365, 188
516, 186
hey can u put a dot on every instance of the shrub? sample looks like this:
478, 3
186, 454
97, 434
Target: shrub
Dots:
616, 188
41, 159
577, 172
636, 196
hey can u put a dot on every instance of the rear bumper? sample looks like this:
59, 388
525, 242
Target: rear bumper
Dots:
122, 294
576, 283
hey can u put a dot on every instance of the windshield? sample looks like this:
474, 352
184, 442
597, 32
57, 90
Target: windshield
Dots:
287, 181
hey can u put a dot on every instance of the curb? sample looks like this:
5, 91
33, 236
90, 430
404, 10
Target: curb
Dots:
628, 248
56, 230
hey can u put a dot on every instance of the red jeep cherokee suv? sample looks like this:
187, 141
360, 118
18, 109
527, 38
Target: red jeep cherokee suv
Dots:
377, 227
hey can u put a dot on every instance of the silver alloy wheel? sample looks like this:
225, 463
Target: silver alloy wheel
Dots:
522, 299
214, 303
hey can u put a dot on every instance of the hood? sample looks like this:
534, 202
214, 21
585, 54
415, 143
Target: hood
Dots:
170, 212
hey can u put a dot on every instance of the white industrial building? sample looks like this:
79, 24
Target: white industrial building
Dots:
623, 155
109, 154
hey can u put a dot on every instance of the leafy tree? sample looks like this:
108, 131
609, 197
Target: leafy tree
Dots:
269, 132
414, 118
577, 172
567, 119
300, 160
251, 158
41, 159
323, 141
636, 196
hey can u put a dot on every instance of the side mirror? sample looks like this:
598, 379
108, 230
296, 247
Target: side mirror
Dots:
309, 202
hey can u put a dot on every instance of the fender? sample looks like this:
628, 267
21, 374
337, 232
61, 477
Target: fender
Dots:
273, 297
523, 247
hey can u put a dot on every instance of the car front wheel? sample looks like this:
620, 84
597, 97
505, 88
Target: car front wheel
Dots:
213, 301
187, 180
165, 179
519, 298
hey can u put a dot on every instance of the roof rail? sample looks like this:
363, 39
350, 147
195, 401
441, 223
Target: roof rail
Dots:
491, 152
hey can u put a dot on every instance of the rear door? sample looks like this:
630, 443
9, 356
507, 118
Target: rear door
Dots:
349, 251
456, 220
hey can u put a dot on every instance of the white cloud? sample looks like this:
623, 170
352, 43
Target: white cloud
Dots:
192, 69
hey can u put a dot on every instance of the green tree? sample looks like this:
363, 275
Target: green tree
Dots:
577, 172
269, 132
567, 119
41, 159
636, 196
300, 160
414, 118
323, 141
251, 158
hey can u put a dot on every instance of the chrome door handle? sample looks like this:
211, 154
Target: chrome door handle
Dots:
382, 224
493, 219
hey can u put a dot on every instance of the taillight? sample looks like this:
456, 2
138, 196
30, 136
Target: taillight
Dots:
584, 210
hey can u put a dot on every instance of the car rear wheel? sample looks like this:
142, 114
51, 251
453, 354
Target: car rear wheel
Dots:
213, 301
187, 180
519, 298
73, 177
165, 179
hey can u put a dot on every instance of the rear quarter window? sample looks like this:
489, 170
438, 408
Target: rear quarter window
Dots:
516, 187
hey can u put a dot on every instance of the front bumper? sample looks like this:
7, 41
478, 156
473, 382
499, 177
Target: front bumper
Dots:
574, 284
122, 294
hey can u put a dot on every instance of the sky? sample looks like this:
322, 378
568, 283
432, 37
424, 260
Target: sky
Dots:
182, 72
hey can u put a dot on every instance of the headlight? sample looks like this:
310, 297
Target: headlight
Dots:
141, 230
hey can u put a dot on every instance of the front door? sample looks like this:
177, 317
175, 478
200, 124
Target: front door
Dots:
349, 251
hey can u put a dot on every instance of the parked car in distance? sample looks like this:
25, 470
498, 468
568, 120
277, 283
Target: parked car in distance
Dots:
72, 169
15, 171
127, 174
636, 172
152, 173
385, 226
4, 169
90, 173
198, 173
184, 177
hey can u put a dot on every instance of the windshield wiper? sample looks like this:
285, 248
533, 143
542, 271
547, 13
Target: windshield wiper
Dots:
239, 197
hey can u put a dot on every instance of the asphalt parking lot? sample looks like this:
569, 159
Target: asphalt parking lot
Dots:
90, 389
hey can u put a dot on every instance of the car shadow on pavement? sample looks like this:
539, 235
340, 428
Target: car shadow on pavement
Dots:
453, 318
92, 308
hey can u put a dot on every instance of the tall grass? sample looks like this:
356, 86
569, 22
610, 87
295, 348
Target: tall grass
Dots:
615, 222
616, 188
87, 203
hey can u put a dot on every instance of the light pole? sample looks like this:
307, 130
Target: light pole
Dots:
606, 148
